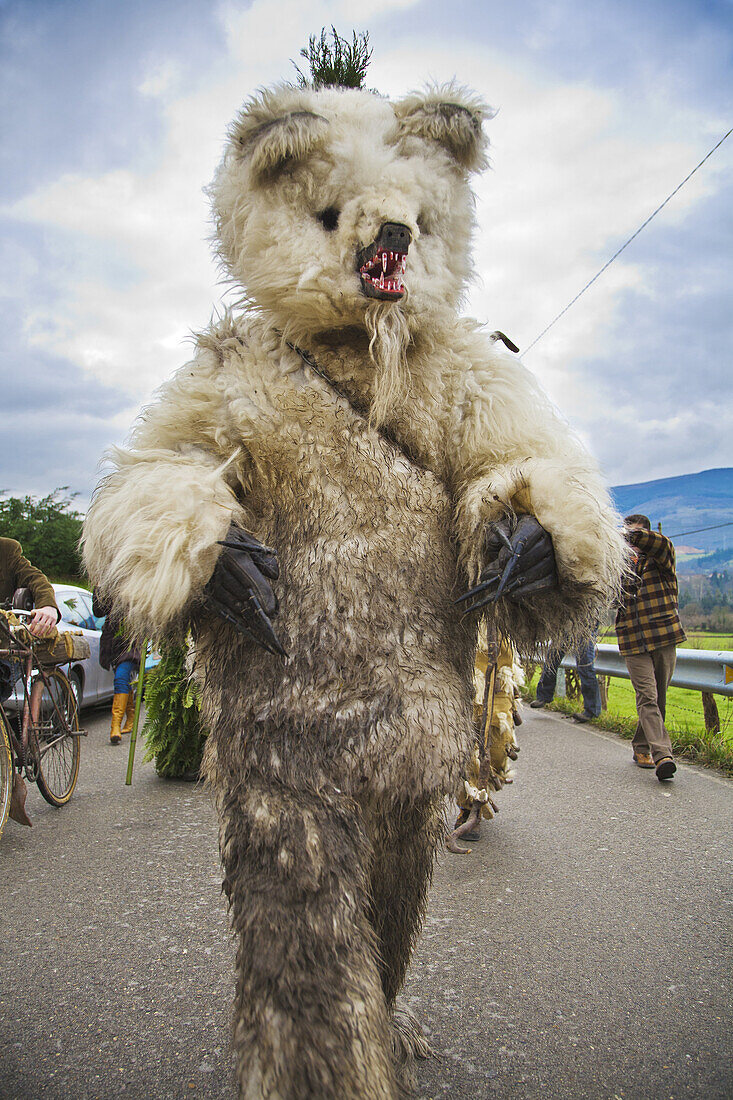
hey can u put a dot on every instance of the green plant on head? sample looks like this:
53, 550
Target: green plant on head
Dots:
336, 64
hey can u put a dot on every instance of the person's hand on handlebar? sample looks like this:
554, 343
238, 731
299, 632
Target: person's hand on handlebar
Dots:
43, 621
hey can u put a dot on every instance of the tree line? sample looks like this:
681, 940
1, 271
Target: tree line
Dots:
48, 528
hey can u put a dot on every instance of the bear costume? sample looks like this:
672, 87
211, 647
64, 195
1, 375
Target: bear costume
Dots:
367, 439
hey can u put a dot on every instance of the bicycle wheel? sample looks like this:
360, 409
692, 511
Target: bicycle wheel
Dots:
59, 750
6, 774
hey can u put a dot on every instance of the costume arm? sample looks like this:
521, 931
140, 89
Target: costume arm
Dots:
656, 546
151, 534
516, 455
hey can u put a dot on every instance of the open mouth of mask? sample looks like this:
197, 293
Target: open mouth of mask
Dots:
382, 264
382, 274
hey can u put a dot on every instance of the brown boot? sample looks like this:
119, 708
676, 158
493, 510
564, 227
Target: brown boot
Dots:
129, 714
17, 800
119, 706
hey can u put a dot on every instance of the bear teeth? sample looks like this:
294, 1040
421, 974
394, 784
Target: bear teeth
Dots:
385, 271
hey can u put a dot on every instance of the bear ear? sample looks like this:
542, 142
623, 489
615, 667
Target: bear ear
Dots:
270, 141
449, 116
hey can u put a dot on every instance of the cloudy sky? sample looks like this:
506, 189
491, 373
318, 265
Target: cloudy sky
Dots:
113, 117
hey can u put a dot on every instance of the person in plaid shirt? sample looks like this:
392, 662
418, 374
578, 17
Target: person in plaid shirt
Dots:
648, 629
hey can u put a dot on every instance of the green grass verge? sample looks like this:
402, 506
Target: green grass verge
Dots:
695, 640
684, 720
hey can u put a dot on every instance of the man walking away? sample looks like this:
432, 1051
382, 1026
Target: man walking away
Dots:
648, 629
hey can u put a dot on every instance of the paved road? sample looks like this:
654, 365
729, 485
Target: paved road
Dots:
581, 951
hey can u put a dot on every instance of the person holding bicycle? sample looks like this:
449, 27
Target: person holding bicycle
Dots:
17, 572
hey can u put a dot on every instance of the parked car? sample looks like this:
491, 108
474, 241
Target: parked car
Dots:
90, 682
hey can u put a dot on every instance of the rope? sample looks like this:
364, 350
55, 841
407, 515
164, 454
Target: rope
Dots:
628, 242
728, 523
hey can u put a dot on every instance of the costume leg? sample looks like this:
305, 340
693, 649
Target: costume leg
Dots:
405, 839
643, 677
310, 1015
584, 657
548, 680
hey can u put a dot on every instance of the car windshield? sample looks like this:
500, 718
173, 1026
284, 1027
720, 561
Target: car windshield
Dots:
74, 608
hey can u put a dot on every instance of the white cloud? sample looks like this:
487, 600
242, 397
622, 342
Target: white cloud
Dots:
161, 78
119, 329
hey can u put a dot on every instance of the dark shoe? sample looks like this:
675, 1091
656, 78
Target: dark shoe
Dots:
584, 717
537, 704
666, 768
643, 760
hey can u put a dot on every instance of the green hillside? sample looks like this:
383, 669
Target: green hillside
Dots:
685, 503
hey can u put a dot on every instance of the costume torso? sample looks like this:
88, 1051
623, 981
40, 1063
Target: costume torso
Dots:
380, 665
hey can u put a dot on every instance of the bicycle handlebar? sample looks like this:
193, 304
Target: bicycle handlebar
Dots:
9, 631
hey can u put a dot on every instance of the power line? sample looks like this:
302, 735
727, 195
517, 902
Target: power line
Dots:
627, 243
699, 529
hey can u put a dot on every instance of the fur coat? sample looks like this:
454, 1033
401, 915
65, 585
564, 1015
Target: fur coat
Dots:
370, 441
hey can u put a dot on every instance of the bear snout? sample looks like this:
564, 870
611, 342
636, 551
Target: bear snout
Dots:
382, 263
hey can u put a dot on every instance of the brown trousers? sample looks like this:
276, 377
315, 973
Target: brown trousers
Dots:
650, 674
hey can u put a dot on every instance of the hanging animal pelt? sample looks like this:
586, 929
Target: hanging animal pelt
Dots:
339, 463
497, 679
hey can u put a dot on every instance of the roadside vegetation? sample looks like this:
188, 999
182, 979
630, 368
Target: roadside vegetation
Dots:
696, 639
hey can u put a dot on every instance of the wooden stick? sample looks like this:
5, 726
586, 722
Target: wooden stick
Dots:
136, 719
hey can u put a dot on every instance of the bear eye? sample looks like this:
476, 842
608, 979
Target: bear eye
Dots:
422, 225
329, 218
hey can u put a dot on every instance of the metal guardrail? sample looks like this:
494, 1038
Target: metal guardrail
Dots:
709, 670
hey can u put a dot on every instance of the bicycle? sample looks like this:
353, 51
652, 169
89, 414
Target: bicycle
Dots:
45, 749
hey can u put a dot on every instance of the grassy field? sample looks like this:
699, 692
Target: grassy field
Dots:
684, 720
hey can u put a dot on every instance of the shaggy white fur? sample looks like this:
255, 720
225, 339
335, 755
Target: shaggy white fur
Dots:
372, 463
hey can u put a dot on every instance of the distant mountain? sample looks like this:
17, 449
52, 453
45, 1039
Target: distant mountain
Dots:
684, 504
